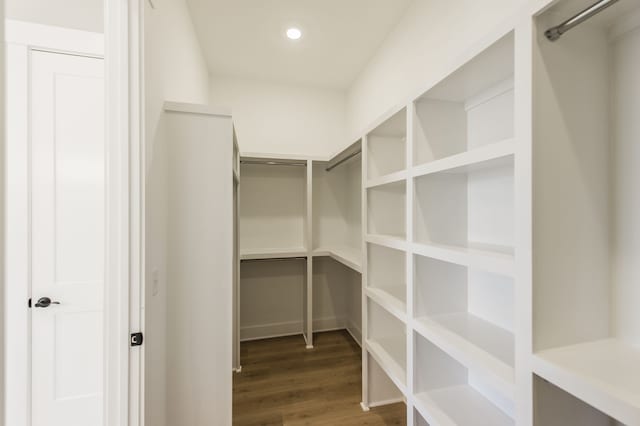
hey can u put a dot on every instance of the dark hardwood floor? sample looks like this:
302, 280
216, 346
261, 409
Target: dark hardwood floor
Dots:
283, 383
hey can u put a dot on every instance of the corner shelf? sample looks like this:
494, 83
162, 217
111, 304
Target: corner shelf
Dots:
397, 242
480, 346
605, 374
443, 407
348, 256
387, 179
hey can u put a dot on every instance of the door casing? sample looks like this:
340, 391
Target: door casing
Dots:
123, 296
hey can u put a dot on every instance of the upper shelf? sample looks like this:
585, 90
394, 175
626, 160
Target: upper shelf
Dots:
488, 69
279, 253
605, 374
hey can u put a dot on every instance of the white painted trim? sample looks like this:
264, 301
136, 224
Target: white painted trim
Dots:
45, 37
385, 402
355, 332
365, 271
17, 349
2, 216
125, 127
289, 328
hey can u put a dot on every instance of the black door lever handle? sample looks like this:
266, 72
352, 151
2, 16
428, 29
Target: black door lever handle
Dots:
45, 302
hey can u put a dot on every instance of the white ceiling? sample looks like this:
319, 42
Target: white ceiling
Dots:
245, 38
77, 14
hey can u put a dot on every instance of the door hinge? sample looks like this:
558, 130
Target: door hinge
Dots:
136, 339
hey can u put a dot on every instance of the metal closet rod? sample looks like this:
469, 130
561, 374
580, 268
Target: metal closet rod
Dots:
274, 259
554, 33
274, 163
345, 155
347, 158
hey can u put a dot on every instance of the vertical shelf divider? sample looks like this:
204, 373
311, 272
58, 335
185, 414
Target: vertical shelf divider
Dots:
309, 247
365, 267
409, 272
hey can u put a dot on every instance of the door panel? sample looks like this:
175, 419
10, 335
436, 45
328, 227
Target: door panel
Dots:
68, 189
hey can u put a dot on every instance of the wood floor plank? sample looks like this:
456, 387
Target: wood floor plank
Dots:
283, 383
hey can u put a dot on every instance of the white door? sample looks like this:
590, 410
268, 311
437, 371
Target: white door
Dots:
67, 239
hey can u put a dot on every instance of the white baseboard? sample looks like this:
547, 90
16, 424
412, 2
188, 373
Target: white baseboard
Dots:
386, 402
267, 331
291, 328
355, 332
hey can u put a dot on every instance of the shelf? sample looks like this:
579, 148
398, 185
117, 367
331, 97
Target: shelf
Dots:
493, 155
259, 254
385, 351
391, 241
348, 256
387, 179
605, 374
459, 405
480, 346
389, 300
496, 259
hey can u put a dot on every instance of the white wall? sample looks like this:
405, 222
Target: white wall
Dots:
87, 15
2, 173
430, 32
174, 70
283, 119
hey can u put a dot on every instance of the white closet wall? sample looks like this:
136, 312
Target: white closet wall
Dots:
440, 252
502, 233
272, 208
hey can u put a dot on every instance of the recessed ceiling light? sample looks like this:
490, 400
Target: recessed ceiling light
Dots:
294, 33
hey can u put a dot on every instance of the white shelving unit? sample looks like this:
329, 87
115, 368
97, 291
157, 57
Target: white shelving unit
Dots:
440, 246
275, 224
507, 210
337, 210
294, 209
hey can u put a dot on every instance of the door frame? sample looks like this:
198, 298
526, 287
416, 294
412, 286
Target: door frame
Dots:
123, 313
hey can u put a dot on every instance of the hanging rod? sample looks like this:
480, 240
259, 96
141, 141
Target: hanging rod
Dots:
274, 163
346, 155
273, 259
554, 33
